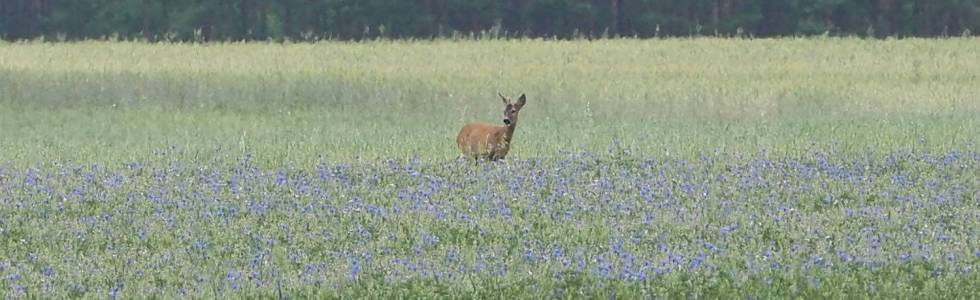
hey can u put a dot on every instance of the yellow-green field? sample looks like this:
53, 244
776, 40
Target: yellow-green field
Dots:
298, 102
675, 168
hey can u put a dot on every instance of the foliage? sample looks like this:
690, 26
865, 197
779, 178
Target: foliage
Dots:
301, 102
678, 168
366, 19
898, 224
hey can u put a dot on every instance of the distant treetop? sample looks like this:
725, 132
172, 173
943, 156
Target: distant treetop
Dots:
204, 20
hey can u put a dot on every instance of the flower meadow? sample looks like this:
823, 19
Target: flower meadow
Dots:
805, 168
620, 224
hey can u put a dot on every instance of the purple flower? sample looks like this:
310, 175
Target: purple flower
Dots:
281, 178
580, 262
529, 256
905, 257
115, 291
355, 268
234, 277
557, 251
697, 261
32, 178
47, 271
710, 246
725, 230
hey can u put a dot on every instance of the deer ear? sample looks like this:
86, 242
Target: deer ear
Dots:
521, 101
506, 101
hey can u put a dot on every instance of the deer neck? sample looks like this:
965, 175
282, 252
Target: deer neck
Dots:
509, 131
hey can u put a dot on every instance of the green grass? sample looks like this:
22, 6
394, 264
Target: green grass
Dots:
847, 168
108, 101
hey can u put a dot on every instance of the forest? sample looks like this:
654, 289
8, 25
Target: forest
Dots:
233, 20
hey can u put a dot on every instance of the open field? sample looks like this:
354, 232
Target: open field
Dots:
97, 101
663, 168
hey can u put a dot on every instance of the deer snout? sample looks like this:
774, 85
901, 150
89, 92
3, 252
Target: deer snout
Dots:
506, 121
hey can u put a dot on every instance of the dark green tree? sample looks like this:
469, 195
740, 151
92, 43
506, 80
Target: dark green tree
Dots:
366, 19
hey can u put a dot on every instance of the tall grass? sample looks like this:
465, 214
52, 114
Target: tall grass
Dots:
380, 99
687, 168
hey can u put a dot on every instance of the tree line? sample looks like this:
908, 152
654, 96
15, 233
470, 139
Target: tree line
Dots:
366, 19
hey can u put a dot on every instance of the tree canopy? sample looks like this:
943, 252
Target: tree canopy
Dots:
361, 19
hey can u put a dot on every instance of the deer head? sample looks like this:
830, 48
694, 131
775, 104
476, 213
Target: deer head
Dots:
511, 110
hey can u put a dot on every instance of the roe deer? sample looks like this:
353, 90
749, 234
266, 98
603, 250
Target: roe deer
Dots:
489, 142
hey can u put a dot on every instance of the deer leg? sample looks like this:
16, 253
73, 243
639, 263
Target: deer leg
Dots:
492, 156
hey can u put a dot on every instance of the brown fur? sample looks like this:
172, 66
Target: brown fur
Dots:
487, 141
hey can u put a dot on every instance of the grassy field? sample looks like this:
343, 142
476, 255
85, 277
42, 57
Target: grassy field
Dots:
679, 168
105, 102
